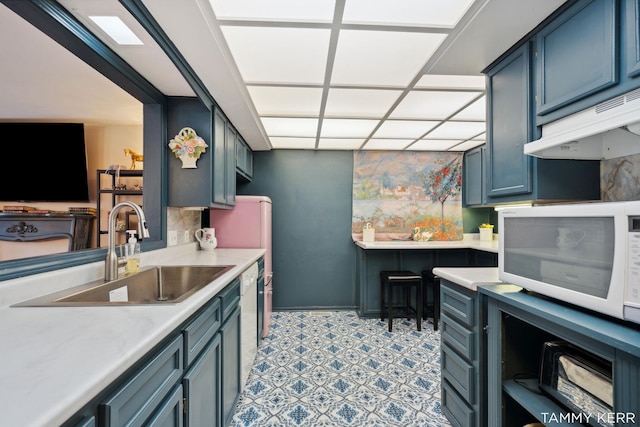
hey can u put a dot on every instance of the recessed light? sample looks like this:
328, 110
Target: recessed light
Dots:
116, 29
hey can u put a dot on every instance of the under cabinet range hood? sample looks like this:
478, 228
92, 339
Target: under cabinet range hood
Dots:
607, 130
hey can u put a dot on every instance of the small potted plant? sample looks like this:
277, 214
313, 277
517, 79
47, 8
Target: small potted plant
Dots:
486, 232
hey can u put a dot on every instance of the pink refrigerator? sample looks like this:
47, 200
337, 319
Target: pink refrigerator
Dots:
248, 225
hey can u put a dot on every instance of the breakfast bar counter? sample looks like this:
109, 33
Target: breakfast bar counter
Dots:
374, 257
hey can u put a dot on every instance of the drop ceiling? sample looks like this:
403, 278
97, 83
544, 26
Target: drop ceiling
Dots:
339, 74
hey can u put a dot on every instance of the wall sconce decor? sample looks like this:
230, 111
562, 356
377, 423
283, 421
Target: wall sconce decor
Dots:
188, 146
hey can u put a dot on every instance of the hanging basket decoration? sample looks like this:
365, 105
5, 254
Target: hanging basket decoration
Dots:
187, 146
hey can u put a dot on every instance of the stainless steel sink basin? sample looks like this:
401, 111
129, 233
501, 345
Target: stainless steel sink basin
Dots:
152, 285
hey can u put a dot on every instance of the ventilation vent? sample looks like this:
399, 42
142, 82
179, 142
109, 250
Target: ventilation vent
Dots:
633, 95
608, 105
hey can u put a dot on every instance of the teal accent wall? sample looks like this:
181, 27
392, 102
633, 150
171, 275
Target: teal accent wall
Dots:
473, 217
313, 253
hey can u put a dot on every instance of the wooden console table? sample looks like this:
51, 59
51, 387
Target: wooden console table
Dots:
34, 227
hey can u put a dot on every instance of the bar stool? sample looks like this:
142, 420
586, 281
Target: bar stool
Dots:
405, 280
431, 282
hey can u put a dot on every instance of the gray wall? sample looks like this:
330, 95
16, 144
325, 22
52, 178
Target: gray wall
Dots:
313, 253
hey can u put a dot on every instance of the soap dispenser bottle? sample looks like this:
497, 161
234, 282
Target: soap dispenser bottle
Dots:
132, 254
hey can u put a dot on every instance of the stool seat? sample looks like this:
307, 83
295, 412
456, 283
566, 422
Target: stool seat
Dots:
407, 281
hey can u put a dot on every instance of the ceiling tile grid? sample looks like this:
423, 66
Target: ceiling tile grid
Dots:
351, 74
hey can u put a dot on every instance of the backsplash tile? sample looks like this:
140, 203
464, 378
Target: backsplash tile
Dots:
181, 220
620, 179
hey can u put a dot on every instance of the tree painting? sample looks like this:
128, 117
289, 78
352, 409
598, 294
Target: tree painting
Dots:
443, 182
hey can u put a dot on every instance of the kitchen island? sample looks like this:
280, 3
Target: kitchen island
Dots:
56, 360
373, 257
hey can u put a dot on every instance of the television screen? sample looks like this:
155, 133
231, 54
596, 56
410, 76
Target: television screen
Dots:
43, 162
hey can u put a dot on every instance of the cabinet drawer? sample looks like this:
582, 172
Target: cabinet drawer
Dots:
458, 372
230, 298
139, 397
458, 305
200, 331
456, 410
457, 337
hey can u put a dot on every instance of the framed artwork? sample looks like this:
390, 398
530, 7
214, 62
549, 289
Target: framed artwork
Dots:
399, 193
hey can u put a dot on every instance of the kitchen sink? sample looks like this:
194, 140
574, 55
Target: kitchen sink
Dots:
168, 284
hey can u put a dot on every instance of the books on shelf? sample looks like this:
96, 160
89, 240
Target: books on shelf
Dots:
83, 210
18, 208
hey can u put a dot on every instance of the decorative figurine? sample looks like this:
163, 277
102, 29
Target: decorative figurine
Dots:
135, 157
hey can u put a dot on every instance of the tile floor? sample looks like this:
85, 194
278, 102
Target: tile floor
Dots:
335, 369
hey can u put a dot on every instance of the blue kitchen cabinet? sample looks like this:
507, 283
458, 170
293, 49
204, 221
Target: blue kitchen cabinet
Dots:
509, 171
632, 37
202, 387
461, 356
577, 54
511, 175
518, 323
244, 160
143, 394
231, 375
213, 181
473, 193
171, 412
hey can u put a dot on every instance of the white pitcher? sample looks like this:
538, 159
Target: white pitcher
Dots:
207, 238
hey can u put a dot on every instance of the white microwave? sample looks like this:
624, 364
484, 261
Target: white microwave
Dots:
586, 254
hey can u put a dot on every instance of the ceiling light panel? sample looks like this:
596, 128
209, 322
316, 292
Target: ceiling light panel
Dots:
274, 10
293, 143
432, 13
384, 58
475, 111
457, 130
431, 104
347, 128
365, 103
279, 55
117, 30
467, 145
434, 145
437, 81
295, 127
292, 101
404, 129
386, 144
340, 143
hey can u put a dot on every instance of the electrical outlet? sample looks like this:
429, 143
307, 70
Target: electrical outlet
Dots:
187, 236
173, 238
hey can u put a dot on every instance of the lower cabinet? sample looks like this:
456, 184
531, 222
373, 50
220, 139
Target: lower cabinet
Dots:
518, 325
461, 357
193, 379
231, 378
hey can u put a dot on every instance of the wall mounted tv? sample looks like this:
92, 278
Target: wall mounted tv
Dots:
43, 162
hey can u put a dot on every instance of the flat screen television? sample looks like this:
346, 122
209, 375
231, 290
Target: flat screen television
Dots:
43, 162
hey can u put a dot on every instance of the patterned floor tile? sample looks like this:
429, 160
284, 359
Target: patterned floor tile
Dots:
335, 369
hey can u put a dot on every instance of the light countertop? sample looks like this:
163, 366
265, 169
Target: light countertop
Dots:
56, 359
469, 277
470, 241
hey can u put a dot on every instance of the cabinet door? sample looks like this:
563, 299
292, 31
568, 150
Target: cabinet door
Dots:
231, 386
473, 187
202, 388
508, 125
632, 36
170, 413
577, 54
218, 186
230, 165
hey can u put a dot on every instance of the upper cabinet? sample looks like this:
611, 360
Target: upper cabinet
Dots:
213, 181
577, 54
585, 54
473, 169
512, 176
244, 160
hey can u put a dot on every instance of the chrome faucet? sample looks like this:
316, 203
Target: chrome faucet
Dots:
112, 262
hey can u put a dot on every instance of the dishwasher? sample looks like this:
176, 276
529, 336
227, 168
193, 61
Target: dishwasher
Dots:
248, 320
